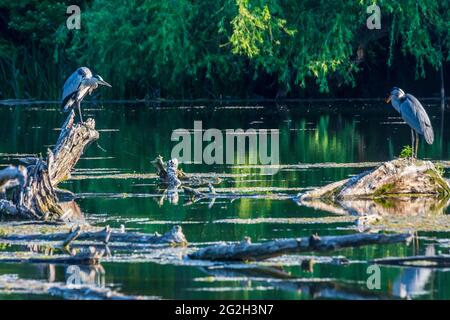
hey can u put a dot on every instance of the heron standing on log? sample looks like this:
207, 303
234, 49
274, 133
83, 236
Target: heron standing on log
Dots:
80, 83
413, 113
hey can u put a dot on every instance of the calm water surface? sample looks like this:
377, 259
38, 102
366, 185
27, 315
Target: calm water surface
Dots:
133, 135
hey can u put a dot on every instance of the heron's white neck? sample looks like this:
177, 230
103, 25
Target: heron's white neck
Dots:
395, 101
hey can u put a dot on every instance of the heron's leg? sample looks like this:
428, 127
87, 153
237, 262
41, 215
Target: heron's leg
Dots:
412, 142
417, 143
79, 111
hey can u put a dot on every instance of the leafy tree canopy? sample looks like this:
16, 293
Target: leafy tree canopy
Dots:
186, 48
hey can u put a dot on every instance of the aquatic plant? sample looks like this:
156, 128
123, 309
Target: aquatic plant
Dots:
406, 152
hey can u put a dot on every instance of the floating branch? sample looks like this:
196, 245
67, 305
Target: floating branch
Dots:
247, 251
173, 237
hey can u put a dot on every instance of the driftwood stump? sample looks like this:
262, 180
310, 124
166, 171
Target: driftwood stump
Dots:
399, 177
34, 196
71, 144
173, 180
170, 174
400, 186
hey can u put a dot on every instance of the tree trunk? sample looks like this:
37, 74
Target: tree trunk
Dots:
36, 198
71, 144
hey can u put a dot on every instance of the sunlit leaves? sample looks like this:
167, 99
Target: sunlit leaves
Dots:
185, 48
256, 30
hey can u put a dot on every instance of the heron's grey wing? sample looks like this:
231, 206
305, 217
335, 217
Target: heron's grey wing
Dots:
70, 86
415, 115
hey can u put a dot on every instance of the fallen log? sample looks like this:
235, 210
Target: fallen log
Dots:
436, 261
72, 236
88, 256
173, 237
247, 251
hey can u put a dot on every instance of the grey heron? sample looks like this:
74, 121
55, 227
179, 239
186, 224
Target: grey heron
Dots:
413, 113
11, 177
80, 83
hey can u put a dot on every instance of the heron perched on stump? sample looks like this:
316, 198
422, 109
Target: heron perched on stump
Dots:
413, 113
77, 86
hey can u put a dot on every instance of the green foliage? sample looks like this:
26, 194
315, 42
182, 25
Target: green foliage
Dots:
440, 169
185, 49
30, 50
256, 31
422, 29
406, 152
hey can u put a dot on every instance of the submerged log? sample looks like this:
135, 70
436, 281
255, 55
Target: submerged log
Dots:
36, 197
436, 261
399, 177
13, 284
88, 256
316, 288
246, 251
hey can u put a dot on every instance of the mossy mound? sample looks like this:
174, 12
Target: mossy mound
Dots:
396, 178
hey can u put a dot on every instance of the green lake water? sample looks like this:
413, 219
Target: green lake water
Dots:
115, 187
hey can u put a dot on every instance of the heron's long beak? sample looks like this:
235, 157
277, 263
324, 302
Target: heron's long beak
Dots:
388, 99
103, 82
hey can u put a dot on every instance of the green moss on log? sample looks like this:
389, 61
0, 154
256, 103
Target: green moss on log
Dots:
384, 190
444, 190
